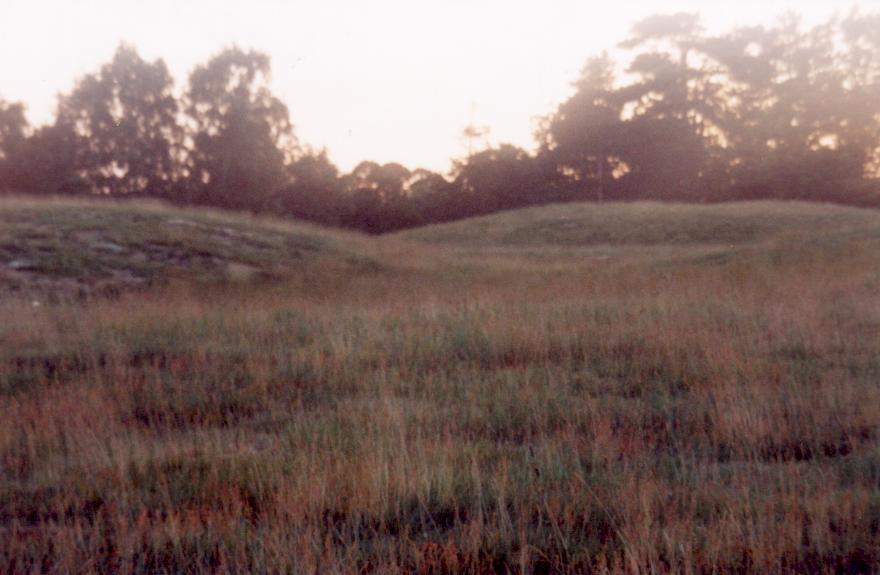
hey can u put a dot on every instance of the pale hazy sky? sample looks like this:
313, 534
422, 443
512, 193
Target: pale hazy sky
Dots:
383, 80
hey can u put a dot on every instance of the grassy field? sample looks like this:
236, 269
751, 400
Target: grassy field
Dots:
569, 389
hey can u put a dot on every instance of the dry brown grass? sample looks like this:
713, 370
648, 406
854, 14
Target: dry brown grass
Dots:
663, 409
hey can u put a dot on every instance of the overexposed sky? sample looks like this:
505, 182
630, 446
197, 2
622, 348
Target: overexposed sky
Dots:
383, 80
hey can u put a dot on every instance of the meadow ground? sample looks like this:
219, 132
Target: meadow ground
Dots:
568, 389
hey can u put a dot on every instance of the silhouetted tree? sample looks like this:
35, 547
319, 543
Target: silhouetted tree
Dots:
50, 163
377, 199
314, 192
13, 134
500, 178
583, 137
797, 120
122, 121
671, 133
756, 112
433, 197
242, 139
39, 162
861, 33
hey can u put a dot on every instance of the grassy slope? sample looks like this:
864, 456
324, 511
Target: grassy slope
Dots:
644, 224
81, 248
434, 413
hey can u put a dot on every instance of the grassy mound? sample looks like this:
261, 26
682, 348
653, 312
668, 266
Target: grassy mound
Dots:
82, 248
645, 224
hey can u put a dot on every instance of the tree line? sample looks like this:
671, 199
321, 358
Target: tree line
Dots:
758, 112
